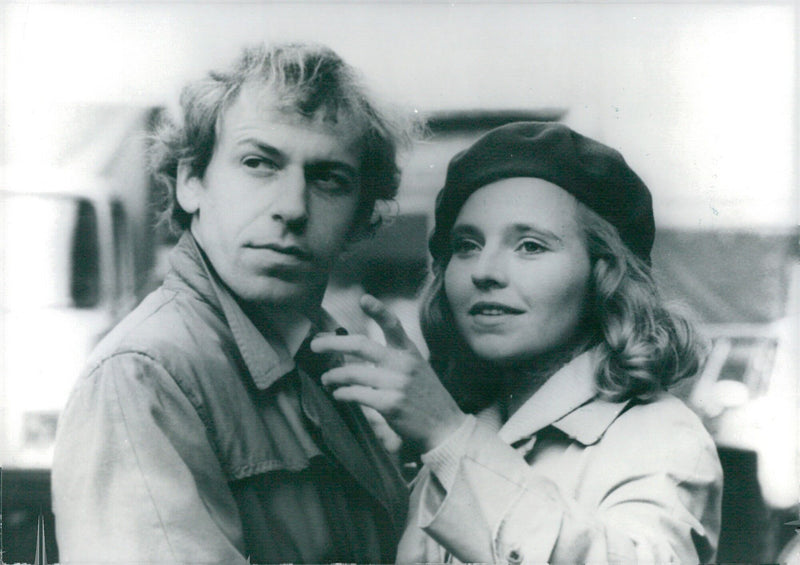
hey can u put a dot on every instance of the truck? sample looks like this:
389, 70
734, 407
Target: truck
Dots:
77, 251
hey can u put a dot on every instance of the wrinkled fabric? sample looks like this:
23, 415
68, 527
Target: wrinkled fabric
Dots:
570, 478
192, 438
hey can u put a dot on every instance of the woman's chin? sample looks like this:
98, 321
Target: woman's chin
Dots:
497, 355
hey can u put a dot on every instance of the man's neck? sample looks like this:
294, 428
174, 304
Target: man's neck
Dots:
288, 324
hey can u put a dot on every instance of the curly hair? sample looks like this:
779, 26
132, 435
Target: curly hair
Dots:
311, 82
645, 345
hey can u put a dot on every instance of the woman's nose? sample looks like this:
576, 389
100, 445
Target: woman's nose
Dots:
490, 270
290, 203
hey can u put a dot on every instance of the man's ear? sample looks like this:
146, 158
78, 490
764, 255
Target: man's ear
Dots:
188, 188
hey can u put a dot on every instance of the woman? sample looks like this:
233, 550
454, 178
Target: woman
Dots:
550, 436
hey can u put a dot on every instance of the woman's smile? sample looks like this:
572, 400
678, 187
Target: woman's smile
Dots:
492, 315
518, 277
493, 309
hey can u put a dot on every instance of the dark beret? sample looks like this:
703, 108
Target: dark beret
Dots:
593, 173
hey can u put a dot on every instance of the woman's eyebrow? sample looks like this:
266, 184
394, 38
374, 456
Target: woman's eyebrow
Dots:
547, 236
464, 229
529, 228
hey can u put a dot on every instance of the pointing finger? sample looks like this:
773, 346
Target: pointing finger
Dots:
363, 375
355, 345
389, 323
364, 395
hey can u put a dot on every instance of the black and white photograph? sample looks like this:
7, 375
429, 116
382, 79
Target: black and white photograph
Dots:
399, 282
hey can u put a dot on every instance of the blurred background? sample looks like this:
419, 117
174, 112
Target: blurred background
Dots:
701, 99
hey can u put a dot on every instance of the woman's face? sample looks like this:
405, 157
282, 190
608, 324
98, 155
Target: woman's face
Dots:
518, 277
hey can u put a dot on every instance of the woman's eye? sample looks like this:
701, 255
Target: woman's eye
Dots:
464, 246
530, 246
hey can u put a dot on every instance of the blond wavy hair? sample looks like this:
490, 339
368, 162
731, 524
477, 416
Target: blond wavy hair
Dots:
645, 345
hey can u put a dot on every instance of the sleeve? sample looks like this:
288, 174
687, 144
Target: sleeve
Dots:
134, 476
443, 459
657, 493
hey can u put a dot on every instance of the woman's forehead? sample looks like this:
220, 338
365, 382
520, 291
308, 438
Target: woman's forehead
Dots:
521, 200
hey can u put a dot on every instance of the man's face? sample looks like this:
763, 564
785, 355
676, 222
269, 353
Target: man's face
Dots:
276, 204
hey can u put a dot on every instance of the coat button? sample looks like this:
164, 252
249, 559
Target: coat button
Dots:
514, 556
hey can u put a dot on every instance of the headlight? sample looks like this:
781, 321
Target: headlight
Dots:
39, 429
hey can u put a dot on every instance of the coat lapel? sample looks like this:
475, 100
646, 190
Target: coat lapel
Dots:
343, 428
350, 439
569, 402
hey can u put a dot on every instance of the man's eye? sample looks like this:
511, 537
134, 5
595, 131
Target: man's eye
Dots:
332, 183
257, 162
328, 180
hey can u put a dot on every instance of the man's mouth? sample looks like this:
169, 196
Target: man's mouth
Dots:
294, 251
493, 309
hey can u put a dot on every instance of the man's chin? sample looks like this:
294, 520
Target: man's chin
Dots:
278, 297
277, 293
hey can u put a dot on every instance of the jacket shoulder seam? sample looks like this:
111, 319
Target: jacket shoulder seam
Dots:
198, 406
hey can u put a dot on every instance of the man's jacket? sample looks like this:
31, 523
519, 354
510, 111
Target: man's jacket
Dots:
192, 438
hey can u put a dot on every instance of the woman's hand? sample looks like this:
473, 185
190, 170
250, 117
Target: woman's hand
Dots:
393, 379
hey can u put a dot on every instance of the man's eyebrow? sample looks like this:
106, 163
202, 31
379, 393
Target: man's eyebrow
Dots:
321, 164
328, 164
261, 146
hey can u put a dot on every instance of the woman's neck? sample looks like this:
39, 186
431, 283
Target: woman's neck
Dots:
522, 381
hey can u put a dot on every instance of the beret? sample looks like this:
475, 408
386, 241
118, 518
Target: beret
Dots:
593, 173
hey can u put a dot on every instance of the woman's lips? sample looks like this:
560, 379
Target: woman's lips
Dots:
493, 309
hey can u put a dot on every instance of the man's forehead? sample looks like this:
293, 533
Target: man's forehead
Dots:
267, 104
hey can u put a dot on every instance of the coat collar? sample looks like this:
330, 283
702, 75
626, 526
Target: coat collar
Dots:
567, 401
266, 357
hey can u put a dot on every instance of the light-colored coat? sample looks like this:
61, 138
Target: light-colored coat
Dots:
570, 478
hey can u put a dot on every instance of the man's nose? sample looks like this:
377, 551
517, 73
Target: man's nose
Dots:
491, 269
290, 204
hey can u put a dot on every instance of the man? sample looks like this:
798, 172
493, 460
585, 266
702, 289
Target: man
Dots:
199, 432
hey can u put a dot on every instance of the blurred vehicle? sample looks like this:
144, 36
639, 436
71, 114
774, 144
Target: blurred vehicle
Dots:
747, 391
747, 396
77, 248
67, 278
67, 264
790, 554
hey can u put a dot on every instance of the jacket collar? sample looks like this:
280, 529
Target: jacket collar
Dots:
267, 360
266, 357
567, 401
